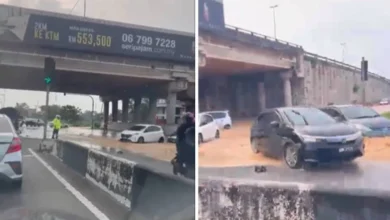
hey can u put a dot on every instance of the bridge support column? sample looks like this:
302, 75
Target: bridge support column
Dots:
106, 110
173, 88
171, 107
152, 109
125, 110
137, 108
261, 95
286, 77
114, 110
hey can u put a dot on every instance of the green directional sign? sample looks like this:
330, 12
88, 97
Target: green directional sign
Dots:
47, 80
50, 69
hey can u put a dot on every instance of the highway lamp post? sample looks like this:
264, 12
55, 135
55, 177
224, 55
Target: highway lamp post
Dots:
93, 109
85, 9
273, 7
344, 45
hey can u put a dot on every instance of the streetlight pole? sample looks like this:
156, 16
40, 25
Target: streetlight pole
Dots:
344, 45
93, 109
273, 7
85, 9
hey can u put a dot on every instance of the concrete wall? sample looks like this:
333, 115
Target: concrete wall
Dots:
326, 82
226, 199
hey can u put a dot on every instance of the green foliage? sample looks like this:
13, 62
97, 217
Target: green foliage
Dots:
386, 115
70, 114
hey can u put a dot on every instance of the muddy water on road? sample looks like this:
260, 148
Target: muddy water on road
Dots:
233, 149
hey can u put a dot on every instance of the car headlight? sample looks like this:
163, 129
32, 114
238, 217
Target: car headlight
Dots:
355, 136
307, 138
362, 128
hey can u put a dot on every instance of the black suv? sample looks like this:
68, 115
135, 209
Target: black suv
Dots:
304, 136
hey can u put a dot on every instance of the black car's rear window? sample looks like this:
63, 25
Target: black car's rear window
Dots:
5, 126
309, 116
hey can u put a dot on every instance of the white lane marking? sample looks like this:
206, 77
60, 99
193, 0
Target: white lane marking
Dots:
99, 215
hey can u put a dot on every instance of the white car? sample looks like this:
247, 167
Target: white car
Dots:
384, 101
208, 128
10, 153
222, 118
143, 133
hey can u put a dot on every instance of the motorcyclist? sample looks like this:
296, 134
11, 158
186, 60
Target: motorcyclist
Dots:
56, 126
185, 145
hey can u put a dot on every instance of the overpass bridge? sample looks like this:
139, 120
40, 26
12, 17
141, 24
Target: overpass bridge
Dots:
110, 59
244, 66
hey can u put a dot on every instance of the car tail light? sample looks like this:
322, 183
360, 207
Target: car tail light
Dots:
15, 146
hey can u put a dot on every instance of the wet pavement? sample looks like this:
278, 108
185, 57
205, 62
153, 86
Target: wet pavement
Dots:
72, 133
366, 176
42, 193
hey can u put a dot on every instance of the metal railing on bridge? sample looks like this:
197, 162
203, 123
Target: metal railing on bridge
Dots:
341, 64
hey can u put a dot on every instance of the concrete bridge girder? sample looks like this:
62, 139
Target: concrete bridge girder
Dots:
19, 59
240, 54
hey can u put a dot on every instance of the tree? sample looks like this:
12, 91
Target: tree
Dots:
70, 114
22, 108
53, 110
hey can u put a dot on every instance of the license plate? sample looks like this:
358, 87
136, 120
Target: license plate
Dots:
345, 149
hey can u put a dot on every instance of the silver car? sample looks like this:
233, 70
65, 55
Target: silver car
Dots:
10, 153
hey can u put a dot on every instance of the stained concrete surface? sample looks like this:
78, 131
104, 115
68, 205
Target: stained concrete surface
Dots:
42, 192
361, 178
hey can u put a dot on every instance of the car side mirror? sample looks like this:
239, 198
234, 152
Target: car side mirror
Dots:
275, 124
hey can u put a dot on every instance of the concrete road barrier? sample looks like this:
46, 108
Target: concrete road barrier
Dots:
161, 196
266, 200
147, 193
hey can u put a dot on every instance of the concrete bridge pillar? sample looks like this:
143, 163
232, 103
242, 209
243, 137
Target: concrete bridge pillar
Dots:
114, 109
106, 112
152, 109
171, 107
137, 108
125, 110
173, 89
286, 77
261, 95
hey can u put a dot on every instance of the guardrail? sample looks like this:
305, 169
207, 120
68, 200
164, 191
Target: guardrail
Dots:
244, 31
345, 65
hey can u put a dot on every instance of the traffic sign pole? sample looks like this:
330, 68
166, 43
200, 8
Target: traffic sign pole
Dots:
46, 119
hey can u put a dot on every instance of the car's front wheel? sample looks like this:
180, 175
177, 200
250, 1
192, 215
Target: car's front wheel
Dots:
255, 145
17, 184
200, 138
217, 134
292, 156
161, 140
141, 140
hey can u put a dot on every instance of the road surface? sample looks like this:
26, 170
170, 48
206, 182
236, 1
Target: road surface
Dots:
42, 192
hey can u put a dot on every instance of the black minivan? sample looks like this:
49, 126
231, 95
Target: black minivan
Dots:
304, 136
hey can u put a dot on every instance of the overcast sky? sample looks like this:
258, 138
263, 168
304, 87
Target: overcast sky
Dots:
320, 26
